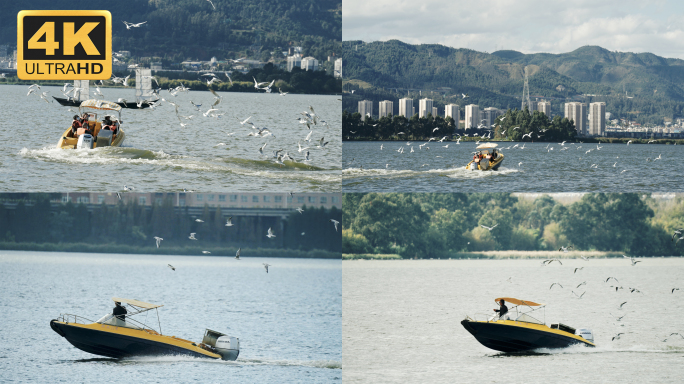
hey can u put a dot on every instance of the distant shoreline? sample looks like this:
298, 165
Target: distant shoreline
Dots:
602, 140
184, 251
498, 255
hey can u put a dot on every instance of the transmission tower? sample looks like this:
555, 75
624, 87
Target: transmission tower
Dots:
526, 94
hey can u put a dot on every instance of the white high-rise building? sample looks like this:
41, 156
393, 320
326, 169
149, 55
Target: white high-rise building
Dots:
424, 107
338, 68
309, 64
489, 116
472, 116
545, 108
452, 111
406, 108
577, 112
597, 119
294, 61
386, 109
365, 109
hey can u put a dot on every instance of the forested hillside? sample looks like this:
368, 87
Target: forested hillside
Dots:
640, 86
181, 29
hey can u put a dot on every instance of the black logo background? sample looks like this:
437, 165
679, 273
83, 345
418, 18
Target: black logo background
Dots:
32, 24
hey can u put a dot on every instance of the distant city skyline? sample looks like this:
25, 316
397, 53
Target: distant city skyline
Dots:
527, 26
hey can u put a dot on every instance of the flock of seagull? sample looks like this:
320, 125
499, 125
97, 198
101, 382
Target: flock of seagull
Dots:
229, 223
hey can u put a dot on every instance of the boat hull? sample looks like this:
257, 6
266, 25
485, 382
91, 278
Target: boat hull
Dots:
493, 166
120, 342
66, 142
515, 336
75, 103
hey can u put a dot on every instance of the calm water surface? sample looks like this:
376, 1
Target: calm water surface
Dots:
288, 321
160, 155
402, 321
566, 168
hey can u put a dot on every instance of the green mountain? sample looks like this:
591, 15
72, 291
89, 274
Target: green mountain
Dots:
633, 85
181, 29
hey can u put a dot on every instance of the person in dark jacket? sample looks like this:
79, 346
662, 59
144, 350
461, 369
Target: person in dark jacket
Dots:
503, 309
119, 311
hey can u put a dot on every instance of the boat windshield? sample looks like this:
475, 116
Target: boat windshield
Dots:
110, 319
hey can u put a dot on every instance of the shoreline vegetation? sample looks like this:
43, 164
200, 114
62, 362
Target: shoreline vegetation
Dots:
496, 255
513, 126
184, 251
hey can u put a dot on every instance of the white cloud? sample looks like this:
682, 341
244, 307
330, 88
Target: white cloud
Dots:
524, 25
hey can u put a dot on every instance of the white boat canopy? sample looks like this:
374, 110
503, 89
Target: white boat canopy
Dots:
487, 145
517, 301
136, 303
102, 105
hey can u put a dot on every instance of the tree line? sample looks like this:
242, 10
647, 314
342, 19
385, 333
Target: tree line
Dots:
512, 125
33, 220
433, 225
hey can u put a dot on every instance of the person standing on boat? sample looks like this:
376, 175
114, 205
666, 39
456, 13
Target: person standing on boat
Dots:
503, 309
119, 311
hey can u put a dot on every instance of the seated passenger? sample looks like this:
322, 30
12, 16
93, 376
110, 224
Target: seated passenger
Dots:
75, 125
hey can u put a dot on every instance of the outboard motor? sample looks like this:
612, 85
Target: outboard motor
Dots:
586, 334
85, 141
104, 138
228, 347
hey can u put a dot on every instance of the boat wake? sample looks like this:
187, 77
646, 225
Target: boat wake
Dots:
170, 359
456, 173
161, 159
581, 349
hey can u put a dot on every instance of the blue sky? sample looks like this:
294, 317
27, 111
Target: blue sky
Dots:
528, 26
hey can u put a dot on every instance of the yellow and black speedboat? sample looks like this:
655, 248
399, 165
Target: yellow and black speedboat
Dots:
99, 137
518, 331
121, 336
486, 159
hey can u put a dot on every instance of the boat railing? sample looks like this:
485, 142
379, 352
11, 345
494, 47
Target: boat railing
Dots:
68, 317
481, 317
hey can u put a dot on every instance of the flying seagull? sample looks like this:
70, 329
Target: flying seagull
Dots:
300, 210
488, 228
617, 336
237, 254
199, 220
192, 236
578, 269
172, 267
335, 222
565, 249
266, 266
270, 234
158, 239
205, 252
555, 284
229, 222
579, 296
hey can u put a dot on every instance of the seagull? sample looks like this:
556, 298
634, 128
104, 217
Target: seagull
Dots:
581, 284
558, 284
549, 261
172, 267
128, 189
579, 296
229, 222
584, 258
212, 4
564, 249
206, 252
489, 228
132, 25
578, 269
192, 236
158, 239
237, 254
519, 164
299, 210
620, 307
617, 336
613, 279
266, 266
270, 233
335, 222
674, 289
199, 220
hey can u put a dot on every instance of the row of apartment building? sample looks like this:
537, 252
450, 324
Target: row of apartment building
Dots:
592, 123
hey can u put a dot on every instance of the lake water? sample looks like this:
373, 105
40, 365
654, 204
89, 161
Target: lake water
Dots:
402, 319
566, 168
288, 320
159, 155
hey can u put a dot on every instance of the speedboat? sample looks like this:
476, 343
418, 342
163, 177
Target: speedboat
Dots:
519, 331
100, 137
122, 336
484, 161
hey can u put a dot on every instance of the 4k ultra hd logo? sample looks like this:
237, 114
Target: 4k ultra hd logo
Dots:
64, 45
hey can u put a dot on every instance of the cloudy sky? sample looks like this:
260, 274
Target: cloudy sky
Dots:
528, 26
